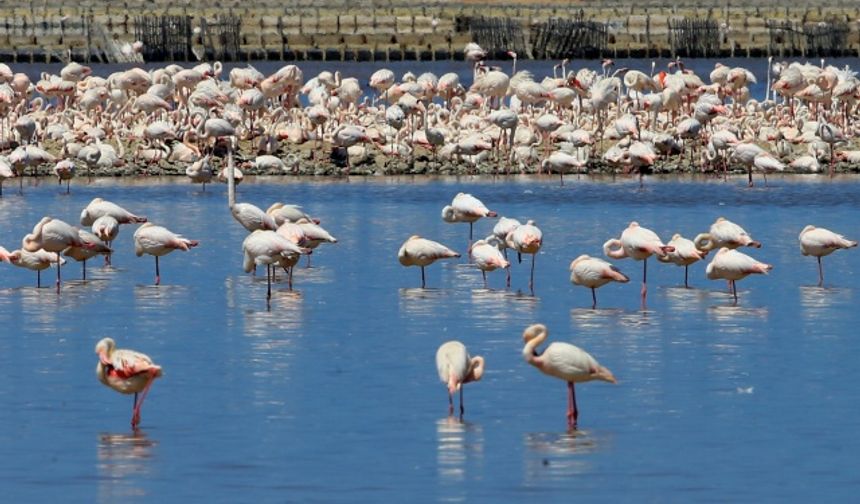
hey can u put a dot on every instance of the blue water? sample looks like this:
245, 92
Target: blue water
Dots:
333, 394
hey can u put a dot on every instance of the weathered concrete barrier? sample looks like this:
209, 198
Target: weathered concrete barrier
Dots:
103, 30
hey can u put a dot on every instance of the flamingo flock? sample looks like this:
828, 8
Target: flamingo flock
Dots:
575, 121
193, 117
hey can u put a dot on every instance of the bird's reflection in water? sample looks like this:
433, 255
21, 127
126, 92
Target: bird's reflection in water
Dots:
125, 461
460, 445
816, 299
159, 297
600, 318
731, 318
682, 299
552, 456
489, 307
285, 315
418, 301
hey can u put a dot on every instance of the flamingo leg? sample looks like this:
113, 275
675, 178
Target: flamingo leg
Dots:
572, 413
157, 272
308, 265
735, 291
593, 298
508, 280
532, 277
268, 282
59, 280
820, 273
84, 269
423, 283
134, 413
38, 279
644, 281
450, 404
686, 271
462, 409
290, 278
484, 273
135, 419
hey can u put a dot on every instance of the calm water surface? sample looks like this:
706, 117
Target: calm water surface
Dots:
333, 394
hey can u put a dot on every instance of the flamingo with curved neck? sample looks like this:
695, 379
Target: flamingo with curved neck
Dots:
564, 361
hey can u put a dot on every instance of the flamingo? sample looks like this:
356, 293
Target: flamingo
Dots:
466, 208
685, 254
64, 170
270, 248
99, 207
53, 235
417, 251
315, 235
158, 241
33, 261
724, 233
487, 257
127, 372
252, 217
457, 368
288, 213
565, 361
593, 272
200, 171
638, 243
526, 239
731, 265
83, 253
6, 172
820, 242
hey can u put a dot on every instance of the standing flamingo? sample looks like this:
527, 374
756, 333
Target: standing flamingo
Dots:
685, 254
127, 372
417, 251
81, 254
565, 361
487, 257
820, 242
732, 265
593, 272
466, 208
526, 239
724, 233
638, 243
158, 241
53, 235
270, 248
34, 261
456, 368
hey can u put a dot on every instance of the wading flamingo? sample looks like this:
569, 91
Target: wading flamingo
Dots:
457, 368
638, 243
593, 272
127, 372
158, 241
820, 242
417, 251
565, 361
732, 265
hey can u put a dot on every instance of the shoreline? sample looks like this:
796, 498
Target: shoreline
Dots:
376, 164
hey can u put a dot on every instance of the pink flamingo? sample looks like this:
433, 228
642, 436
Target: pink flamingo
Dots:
638, 243
565, 361
526, 239
456, 368
54, 235
270, 248
487, 257
732, 265
127, 372
685, 254
158, 241
417, 251
593, 272
466, 208
724, 233
820, 242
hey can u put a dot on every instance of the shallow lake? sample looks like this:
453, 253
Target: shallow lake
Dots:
332, 395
